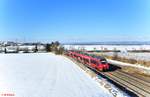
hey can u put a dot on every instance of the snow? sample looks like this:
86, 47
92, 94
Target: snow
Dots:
146, 69
45, 75
108, 47
30, 47
131, 55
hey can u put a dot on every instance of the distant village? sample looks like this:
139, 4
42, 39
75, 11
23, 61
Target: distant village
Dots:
35, 47
15, 47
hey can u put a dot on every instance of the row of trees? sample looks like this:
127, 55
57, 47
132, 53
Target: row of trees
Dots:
55, 47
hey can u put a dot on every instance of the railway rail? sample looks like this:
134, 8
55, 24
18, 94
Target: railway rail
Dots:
132, 83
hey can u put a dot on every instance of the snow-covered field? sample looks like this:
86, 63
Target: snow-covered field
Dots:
137, 56
109, 47
45, 75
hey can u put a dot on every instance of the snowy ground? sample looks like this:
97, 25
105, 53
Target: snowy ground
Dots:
108, 47
45, 75
138, 56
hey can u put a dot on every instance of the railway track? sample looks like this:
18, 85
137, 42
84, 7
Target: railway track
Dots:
135, 77
131, 82
145, 78
134, 82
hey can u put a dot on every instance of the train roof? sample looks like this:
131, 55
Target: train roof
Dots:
98, 57
86, 55
101, 58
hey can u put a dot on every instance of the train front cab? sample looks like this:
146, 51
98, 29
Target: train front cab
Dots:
104, 64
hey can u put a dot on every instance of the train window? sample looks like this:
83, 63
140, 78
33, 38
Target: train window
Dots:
94, 62
103, 59
103, 62
86, 60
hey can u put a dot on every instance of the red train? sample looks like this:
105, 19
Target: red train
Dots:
98, 63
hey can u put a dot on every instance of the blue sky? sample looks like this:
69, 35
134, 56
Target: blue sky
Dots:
75, 20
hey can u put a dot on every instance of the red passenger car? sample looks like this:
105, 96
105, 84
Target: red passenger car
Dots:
92, 62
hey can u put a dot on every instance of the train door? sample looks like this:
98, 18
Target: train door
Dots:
94, 63
86, 61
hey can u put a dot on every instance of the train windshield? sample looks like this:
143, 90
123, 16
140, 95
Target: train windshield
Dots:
104, 62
